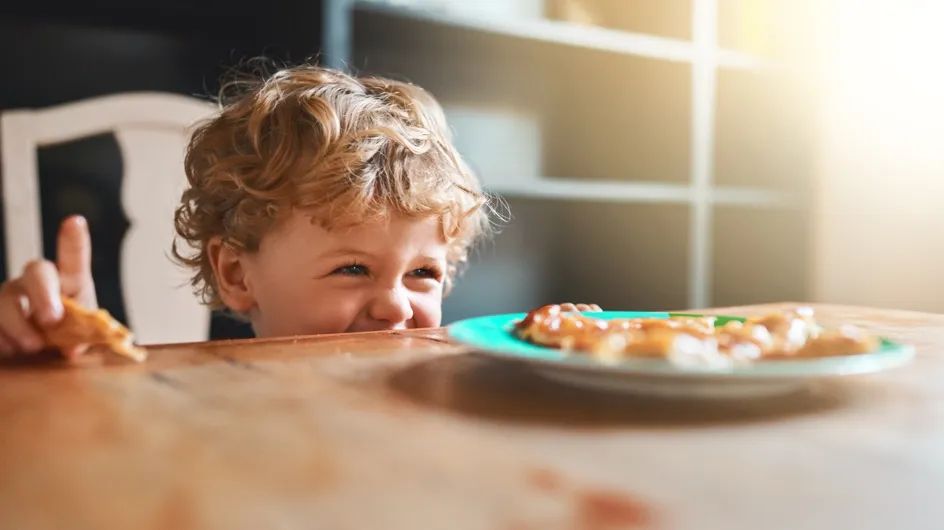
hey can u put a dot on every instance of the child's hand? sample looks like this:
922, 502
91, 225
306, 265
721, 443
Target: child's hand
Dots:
567, 308
33, 301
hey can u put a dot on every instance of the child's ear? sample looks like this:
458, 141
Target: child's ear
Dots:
229, 272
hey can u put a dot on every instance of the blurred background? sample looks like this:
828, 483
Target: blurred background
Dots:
655, 154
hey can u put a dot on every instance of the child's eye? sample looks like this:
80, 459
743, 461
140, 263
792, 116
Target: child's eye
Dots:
352, 270
426, 272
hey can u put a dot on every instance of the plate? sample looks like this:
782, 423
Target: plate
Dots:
492, 336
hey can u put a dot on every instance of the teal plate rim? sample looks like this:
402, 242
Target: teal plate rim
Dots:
493, 335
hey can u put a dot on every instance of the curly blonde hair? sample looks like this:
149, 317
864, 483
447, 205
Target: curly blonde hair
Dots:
344, 149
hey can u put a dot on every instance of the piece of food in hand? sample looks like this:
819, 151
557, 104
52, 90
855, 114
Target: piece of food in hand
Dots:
92, 327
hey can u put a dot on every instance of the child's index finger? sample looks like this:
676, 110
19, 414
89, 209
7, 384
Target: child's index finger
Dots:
74, 247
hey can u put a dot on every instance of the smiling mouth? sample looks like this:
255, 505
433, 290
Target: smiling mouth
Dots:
367, 329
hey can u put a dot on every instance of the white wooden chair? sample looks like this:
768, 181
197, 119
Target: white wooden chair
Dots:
151, 130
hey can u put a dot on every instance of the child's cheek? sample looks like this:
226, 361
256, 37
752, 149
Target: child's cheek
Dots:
427, 310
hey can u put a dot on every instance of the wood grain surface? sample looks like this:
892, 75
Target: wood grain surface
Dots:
403, 430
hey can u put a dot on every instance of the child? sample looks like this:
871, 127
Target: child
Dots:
318, 203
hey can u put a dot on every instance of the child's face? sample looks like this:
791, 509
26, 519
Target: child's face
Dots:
377, 276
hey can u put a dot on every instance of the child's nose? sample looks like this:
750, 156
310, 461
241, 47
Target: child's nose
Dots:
392, 305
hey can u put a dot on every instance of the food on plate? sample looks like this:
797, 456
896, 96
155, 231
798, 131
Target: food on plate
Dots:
96, 328
789, 334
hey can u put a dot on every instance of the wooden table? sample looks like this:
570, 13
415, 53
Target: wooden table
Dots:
404, 431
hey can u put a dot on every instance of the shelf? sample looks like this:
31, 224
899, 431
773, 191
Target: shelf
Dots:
622, 257
565, 33
681, 155
671, 19
640, 192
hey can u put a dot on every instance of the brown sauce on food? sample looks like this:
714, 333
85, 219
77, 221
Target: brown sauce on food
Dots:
781, 335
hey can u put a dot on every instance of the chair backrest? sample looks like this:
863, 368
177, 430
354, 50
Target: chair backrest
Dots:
151, 130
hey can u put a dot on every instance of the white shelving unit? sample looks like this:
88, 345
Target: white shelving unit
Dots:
704, 59
644, 192
571, 34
